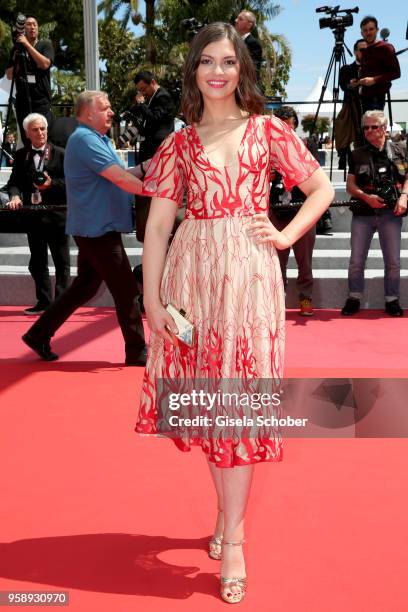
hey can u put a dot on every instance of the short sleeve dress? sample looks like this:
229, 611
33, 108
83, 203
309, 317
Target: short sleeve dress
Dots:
229, 285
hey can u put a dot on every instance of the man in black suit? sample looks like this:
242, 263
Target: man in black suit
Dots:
38, 178
10, 147
348, 121
244, 24
349, 73
153, 115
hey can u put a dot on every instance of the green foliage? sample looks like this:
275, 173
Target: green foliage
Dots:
277, 56
162, 48
61, 22
66, 86
322, 124
122, 54
165, 40
5, 45
111, 7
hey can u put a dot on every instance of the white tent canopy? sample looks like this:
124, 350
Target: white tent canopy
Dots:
396, 128
326, 108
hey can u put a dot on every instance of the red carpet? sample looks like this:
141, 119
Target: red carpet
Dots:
120, 521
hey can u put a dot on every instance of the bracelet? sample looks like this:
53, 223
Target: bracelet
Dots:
404, 192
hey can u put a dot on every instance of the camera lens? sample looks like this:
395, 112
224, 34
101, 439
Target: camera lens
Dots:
39, 178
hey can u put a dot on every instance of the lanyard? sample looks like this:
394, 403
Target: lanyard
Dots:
43, 160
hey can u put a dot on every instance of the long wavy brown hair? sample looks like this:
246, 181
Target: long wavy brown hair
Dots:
247, 94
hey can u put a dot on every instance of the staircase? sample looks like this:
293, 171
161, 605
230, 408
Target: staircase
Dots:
330, 263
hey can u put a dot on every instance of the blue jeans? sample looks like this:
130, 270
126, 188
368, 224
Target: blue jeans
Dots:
389, 233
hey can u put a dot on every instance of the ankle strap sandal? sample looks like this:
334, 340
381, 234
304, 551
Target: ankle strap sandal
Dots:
234, 581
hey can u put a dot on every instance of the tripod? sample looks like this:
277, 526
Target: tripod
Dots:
20, 65
337, 60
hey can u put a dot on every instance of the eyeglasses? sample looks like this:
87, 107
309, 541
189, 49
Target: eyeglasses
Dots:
371, 127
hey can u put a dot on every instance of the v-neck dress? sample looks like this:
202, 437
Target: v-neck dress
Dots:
229, 285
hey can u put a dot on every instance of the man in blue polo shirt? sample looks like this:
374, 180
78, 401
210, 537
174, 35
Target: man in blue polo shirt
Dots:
99, 210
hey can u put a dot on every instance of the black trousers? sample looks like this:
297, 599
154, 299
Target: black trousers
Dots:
373, 103
303, 251
46, 234
99, 259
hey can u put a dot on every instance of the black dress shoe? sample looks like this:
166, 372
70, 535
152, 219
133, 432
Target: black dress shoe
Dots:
394, 309
36, 310
325, 228
352, 306
139, 359
327, 225
42, 349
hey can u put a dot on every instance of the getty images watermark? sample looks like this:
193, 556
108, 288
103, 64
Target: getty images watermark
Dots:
226, 408
247, 410
293, 407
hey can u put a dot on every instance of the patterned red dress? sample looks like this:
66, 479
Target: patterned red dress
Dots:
230, 286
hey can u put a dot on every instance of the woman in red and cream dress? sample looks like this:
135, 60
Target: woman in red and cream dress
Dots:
222, 268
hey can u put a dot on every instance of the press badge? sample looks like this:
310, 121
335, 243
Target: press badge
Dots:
31, 78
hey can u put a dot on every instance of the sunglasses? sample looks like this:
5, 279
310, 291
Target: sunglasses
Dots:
371, 127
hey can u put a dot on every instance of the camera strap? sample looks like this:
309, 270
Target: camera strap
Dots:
388, 149
44, 159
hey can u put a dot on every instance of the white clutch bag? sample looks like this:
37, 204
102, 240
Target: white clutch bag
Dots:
186, 330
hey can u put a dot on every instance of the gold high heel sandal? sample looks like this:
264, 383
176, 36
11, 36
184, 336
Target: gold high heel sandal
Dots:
214, 546
229, 582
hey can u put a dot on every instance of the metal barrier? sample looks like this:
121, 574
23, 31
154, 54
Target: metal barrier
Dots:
18, 221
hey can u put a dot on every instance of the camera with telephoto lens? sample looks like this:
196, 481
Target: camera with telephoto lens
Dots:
277, 190
18, 28
129, 135
191, 26
131, 132
278, 196
386, 190
335, 21
38, 178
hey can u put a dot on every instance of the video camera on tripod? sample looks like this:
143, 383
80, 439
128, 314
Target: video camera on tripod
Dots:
338, 24
336, 21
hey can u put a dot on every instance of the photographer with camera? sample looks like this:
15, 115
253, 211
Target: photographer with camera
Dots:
153, 113
378, 179
30, 63
281, 215
153, 116
379, 66
38, 178
348, 121
349, 73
